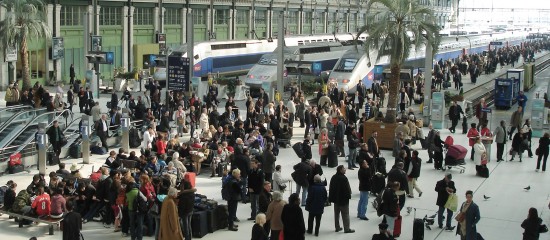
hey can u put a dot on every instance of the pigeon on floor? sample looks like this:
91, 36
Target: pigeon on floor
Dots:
485, 197
433, 216
527, 188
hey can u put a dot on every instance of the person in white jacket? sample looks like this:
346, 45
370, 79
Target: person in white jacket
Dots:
479, 151
148, 136
279, 181
203, 120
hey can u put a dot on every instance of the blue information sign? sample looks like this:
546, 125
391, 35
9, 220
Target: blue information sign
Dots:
178, 73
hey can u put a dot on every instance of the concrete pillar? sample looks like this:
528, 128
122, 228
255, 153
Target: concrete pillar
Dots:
49, 63
301, 21
57, 66
325, 22
209, 22
269, 23
125, 29
156, 21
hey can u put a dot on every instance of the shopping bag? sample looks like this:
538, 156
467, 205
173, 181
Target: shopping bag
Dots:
452, 202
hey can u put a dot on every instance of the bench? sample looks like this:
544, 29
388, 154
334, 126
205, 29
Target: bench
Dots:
46, 220
105, 89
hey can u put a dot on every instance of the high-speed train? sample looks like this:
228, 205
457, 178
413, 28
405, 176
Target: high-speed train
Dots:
236, 57
354, 65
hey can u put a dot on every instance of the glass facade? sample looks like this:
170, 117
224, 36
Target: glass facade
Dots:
143, 16
110, 16
71, 15
172, 16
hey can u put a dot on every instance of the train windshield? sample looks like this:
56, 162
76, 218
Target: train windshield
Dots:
268, 61
346, 65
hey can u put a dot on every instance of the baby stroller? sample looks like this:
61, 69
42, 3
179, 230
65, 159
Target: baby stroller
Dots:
455, 157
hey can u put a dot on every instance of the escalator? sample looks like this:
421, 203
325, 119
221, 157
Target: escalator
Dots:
23, 140
8, 112
10, 127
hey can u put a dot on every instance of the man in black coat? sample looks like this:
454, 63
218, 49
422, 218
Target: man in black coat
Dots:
444, 188
454, 114
56, 137
242, 162
255, 187
316, 169
364, 175
300, 175
339, 136
114, 100
307, 121
340, 194
373, 145
264, 201
306, 149
397, 174
413, 172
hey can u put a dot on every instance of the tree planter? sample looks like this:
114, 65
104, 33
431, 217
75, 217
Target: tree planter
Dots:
386, 133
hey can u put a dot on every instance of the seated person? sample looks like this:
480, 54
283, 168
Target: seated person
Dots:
161, 160
111, 161
206, 135
84, 199
41, 203
9, 196
22, 203
184, 151
37, 181
153, 166
62, 172
58, 202
121, 155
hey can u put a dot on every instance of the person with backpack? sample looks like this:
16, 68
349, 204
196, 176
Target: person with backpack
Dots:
9, 195
134, 198
389, 205
231, 192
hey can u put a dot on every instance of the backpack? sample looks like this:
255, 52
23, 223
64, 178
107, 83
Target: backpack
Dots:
226, 188
22, 200
3, 190
140, 203
378, 203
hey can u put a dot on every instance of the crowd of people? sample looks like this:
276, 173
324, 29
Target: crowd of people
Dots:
243, 151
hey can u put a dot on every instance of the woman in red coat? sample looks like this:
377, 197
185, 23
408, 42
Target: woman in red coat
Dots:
472, 135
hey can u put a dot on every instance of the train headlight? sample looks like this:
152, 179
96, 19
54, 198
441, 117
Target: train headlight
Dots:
345, 81
250, 76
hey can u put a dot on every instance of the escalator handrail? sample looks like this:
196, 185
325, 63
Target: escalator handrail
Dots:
5, 124
15, 107
32, 121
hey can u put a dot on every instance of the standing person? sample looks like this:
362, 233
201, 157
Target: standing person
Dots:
481, 115
467, 218
472, 135
518, 145
300, 175
71, 225
102, 129
264, 201
390, 205
89, 98
396, 174
531, 225
413, 173
364, 175
480, 152
269, 160
274, 211
72, 73
500, 139
455, 112
136, 218
430, 142
258, 231
186, 200
522, 101
293, 219
169, 219
234, 198
56, 137
444, 188
543, 148
255, 186
339, 136
515, 121
70, 99
528, 133
315, 204
353, 143
373, 145
340, 194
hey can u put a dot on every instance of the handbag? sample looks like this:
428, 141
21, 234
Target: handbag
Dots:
452, 202
282, 187
484, 159
537, 151
460, 217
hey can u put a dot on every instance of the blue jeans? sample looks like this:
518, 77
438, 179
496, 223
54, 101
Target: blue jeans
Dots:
351, 157
136, 225
363, 204
304, 193
254, 198
186, 225
440, 217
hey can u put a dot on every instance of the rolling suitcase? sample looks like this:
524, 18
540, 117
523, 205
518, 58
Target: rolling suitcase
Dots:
221, 167
332, 156
418, 228
199, 224
75, 150
221, 215
482, 171
212, 220
396, 226
52, 159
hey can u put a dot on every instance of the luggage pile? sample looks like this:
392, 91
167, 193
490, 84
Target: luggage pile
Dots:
208, 216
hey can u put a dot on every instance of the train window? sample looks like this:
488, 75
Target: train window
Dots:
228, 46
346, 65
307, 41
292, 70
305, 70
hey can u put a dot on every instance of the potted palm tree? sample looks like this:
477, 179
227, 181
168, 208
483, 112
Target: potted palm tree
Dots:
24, 20
395, 28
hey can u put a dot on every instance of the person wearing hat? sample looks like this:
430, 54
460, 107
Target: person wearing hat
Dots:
444, 188
383, 235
